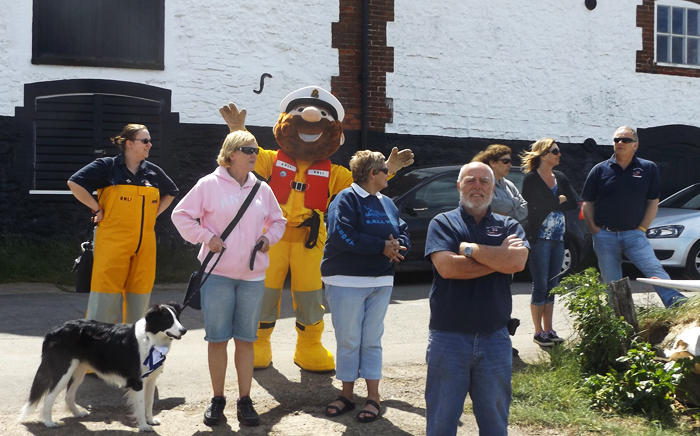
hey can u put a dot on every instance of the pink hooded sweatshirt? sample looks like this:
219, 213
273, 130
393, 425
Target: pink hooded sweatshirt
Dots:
215, 201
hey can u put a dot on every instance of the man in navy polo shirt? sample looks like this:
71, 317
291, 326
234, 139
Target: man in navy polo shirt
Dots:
620, 200
474, 253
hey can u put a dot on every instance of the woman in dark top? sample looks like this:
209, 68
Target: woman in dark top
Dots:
131, 193
548, 194
365, 235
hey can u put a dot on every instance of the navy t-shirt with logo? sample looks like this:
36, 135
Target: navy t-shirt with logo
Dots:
621, 196
108, 171
480, 305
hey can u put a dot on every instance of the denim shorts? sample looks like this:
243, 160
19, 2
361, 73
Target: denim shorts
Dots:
231, 308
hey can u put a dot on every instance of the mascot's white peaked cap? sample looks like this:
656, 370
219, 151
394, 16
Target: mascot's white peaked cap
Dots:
313, 95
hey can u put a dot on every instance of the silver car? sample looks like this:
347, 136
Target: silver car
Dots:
675, 232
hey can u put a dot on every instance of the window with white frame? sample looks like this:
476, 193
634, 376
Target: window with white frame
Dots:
678, 33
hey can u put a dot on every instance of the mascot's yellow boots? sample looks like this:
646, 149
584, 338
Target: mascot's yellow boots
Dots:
262, 348
310, 354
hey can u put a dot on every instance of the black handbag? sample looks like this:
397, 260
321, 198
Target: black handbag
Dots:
82, 268
197, 279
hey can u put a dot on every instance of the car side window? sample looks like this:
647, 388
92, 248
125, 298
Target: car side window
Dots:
439, 195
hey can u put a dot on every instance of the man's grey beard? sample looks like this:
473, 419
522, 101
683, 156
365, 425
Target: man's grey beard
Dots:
476, 208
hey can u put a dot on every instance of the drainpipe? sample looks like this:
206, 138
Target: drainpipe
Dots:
364, 77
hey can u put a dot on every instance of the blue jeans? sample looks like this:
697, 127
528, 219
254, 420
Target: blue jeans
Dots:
610, 246
358, 320
460, 363
546, 258
231, 308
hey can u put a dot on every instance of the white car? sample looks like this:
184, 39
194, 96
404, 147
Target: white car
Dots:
675, 232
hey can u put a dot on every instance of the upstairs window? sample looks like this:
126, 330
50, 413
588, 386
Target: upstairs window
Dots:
678, 33
99, 33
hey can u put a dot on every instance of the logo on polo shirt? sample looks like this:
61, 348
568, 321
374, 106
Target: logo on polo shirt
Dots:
637, 173
494, 231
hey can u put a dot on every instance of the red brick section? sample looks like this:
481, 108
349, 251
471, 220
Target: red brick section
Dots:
645, 57
347, 86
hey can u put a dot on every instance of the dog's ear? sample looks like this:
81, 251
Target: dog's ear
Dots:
176, 306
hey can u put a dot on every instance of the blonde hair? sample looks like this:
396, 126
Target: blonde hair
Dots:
531, 159
128, 133
363, 162
234, 141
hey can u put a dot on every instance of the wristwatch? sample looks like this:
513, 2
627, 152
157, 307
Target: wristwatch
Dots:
468, 251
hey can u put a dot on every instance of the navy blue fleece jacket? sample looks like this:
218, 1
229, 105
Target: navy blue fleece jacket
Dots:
357, 228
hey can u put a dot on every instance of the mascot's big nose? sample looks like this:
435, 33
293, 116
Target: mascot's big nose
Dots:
311, 114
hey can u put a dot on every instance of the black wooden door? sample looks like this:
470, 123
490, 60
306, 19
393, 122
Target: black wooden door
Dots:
72, 130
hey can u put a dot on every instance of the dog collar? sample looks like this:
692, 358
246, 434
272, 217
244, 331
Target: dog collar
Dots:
155, 359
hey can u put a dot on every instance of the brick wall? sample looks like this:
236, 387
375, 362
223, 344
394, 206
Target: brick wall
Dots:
645, 57
347, 85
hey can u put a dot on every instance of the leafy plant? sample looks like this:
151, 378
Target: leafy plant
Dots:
603, 336
644, 386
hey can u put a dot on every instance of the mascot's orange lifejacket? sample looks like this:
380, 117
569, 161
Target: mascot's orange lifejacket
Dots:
317, 180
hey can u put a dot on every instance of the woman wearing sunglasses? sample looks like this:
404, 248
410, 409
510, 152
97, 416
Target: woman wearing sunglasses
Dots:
506, 197
232, 295
548, 194
131, 193
365, 236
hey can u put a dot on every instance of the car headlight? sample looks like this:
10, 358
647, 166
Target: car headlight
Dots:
665, 232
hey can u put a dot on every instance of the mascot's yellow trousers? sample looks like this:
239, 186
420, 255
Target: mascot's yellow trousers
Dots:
307, 294
125, 253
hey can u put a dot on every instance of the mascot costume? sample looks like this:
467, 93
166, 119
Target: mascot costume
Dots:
309, 130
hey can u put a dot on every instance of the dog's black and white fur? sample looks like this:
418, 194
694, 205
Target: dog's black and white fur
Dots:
121, 354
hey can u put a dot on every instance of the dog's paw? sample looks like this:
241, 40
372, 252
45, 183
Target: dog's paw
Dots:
152, 421
145, 427
80, 412
51, 424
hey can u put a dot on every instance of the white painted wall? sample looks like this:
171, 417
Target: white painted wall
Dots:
215, 52
499, 68
527, 69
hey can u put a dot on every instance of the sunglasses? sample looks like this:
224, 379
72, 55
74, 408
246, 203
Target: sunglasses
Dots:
384, 170
506, 161
249, 150
623, 140
145, 140
555, 152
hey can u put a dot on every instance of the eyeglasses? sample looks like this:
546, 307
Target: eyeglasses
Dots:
384, 170
249, 150
506, 161
144, 140
623, 140
555, 151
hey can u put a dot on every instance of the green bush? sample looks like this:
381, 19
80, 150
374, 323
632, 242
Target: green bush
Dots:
603, 336
644, 385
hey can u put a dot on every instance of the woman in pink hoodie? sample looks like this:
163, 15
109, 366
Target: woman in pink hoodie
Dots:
232, 295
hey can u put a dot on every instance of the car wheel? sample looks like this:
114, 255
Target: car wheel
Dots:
692, 265
570, 259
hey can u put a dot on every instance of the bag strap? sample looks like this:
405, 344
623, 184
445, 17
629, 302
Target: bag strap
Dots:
228, 231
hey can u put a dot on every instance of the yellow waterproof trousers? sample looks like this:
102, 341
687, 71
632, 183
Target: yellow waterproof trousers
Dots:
125, 253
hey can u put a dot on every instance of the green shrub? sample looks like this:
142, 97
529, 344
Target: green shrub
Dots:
644, 385
603, 336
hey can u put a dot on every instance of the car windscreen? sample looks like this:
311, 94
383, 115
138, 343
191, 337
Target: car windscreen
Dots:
404, 182
688, 198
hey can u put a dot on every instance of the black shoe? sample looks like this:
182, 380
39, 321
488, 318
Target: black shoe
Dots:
246, 412
554, 337
215, 411
542, 339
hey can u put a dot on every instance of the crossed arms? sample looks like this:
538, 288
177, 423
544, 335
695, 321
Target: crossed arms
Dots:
507, 258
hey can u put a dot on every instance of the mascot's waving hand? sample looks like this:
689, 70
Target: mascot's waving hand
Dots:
308, 131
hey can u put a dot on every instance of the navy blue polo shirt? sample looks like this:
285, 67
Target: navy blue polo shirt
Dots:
108, 171
480, 305
621, 196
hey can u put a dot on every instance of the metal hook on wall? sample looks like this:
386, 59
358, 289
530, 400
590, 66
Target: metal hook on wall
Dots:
262, 82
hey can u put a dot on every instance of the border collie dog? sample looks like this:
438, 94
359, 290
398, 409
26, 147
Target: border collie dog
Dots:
127, 355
